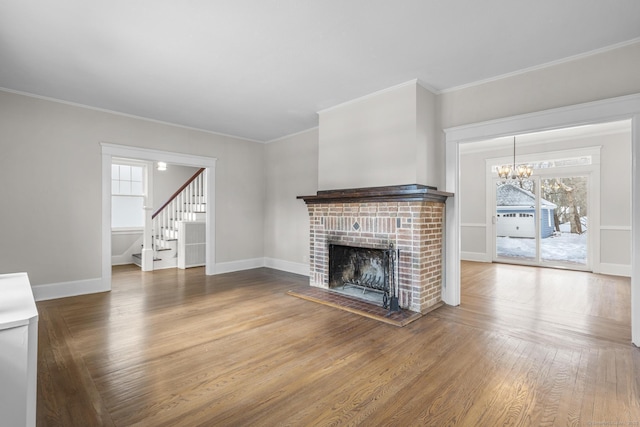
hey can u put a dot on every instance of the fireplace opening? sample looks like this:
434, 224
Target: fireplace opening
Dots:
366, 273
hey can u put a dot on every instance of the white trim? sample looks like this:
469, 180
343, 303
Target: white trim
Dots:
291, 135
243, 264
543, 66
612, 109
474, 256
451, 278
635, 228
114, 150
593, 112
249, 264
121, 260
473, 224
127, 230
546, 138
615, 269
131, 116
69, 289
615, 227
289, 266
106, 220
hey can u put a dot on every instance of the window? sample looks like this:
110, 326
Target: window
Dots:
555, 163
127, 196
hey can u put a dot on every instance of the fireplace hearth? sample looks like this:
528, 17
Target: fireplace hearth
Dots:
409, 217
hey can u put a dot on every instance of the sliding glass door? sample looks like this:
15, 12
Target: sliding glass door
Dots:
542, 220
515, 221
564, 209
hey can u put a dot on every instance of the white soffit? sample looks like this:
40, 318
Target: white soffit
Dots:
549, 136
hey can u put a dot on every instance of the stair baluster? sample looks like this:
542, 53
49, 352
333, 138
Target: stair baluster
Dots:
183, 205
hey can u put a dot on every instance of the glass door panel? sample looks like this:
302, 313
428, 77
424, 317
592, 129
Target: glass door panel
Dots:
515, 221
563, 231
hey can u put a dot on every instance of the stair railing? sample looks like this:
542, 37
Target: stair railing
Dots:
181, 206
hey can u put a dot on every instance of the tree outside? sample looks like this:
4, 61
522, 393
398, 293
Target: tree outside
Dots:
570, 195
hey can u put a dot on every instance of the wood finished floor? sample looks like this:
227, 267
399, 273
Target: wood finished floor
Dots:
527, 346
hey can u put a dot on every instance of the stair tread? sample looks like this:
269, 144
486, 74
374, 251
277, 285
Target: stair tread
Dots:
140, 256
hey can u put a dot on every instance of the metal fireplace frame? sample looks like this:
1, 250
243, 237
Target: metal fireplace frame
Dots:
388, 287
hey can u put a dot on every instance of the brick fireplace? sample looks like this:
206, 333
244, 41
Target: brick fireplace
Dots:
407, 217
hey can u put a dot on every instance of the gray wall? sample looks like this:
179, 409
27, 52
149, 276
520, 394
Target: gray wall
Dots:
291, 171
50, 162
50, 167
166, 183
605, 75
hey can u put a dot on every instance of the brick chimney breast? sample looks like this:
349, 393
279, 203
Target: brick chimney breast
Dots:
411, 217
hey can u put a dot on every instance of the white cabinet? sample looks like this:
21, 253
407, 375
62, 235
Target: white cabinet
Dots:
18, 351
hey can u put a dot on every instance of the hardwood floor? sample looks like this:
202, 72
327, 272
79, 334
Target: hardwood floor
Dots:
173, 347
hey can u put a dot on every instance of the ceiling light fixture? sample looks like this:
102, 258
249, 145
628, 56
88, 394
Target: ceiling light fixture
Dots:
515, 171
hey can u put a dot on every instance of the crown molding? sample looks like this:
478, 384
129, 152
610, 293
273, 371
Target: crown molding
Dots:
291, 135
369, 96
118, 113
541, 66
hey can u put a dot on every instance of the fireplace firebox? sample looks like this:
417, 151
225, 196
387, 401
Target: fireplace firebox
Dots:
368, 269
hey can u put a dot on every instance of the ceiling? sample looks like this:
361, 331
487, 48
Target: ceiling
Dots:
262, 69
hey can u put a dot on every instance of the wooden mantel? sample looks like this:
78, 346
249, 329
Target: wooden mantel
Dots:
395, 193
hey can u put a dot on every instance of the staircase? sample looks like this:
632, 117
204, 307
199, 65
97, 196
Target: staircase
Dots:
178, 227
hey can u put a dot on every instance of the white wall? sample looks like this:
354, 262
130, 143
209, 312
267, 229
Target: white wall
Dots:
382, 139
291, 171
54, 206
615, 192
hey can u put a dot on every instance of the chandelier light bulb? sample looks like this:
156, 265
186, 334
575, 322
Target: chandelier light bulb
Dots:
516, 171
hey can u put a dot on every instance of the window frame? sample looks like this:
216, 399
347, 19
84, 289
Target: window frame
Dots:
144, 193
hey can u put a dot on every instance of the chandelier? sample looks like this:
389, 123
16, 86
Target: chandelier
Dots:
515, 171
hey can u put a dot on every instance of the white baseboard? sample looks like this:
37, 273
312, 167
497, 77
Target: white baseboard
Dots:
91, 286
248, 264
474, 256
121, 260
68, 289
615, 269
288, 266
244, 264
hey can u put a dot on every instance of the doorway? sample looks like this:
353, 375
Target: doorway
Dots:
109, 151
622, 108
